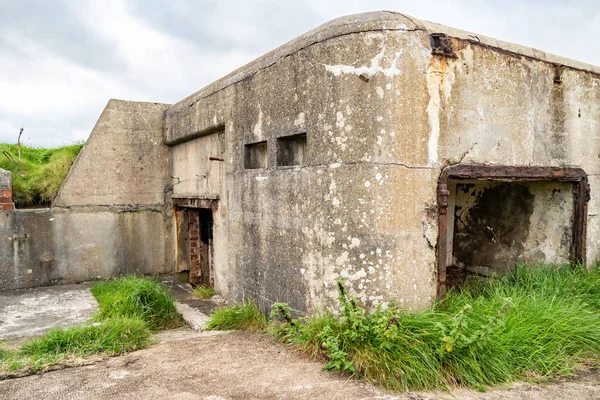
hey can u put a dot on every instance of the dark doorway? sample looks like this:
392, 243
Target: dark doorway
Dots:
194, 244
204, 245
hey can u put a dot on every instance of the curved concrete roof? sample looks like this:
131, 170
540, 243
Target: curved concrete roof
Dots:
366, 22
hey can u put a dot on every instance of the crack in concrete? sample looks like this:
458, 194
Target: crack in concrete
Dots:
466, 153
121, 208
335, 165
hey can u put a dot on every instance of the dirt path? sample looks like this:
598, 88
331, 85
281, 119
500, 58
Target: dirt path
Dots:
237, 366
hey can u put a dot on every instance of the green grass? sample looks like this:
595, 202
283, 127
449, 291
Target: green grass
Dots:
204, 292
130, 309
533, 324
112, 336
137, 297
246, 316
39, 173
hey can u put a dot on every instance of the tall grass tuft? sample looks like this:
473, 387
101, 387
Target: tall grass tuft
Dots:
112, 336
137, 297
246, 316
204, 292
39, 173
536, 322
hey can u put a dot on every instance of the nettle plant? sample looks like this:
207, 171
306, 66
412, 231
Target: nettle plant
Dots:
343, 339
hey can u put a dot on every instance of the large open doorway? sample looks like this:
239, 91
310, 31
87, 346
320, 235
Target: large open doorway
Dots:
494, 218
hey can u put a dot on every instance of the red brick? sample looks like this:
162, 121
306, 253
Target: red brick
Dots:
6, 193
7, 206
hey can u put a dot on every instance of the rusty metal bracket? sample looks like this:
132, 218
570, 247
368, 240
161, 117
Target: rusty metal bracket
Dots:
441, 45
443, 194
558, 73
581, 196
47, 260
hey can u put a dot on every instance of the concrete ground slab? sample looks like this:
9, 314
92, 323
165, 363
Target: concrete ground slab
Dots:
32, 312
241, 365
195, 311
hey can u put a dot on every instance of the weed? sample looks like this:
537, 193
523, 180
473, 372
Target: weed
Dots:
538, 321
10, 359
204, 292
39, 173
112, 336
246, 316
137, 297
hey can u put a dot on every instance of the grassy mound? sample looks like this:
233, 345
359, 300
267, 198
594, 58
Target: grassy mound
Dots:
39, 173
112, 336
136, 297
533, 324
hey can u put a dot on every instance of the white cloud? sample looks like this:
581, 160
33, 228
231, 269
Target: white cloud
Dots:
48, 87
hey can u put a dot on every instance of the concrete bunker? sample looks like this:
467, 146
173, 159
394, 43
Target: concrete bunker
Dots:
493, 218
376, 147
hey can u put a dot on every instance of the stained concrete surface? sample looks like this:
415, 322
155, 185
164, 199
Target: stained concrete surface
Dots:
5, 179
194, 310
32, 312
183, 294
239, 365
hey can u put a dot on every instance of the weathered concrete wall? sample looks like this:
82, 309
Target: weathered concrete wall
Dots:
498, 103
287, 233
124, 161
193, 171
382, 116
112, 215
46, 247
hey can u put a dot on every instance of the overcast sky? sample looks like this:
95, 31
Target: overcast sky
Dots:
62, 60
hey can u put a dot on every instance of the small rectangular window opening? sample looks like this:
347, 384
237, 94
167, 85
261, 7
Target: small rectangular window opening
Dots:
255, 155
291, 150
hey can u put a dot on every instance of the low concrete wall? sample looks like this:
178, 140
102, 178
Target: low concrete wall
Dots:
55, 246
112, 215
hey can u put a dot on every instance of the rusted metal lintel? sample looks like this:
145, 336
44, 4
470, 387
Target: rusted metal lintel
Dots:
510, 173
196, 203
581, 196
